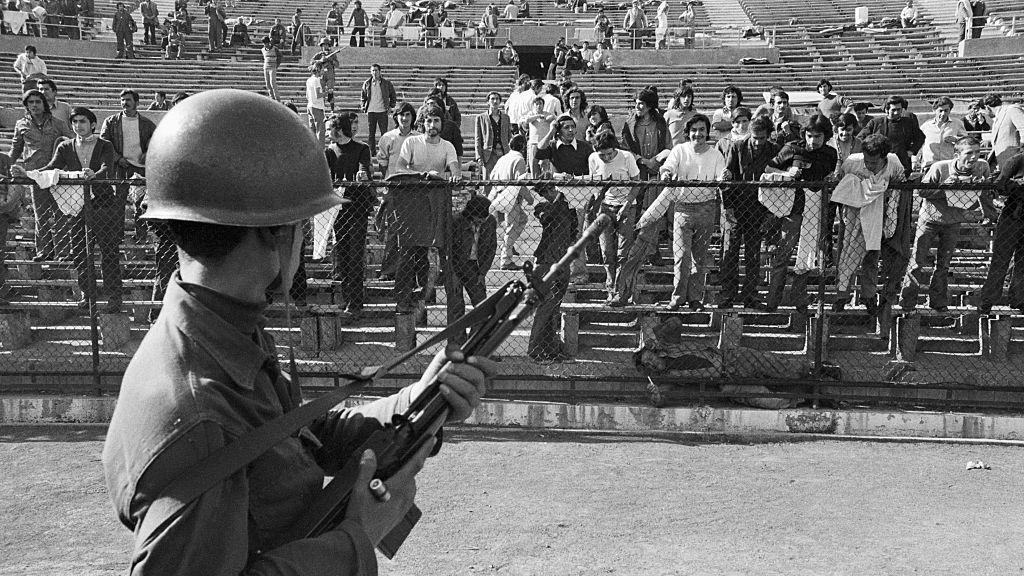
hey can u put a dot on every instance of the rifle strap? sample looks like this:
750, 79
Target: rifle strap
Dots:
228, 459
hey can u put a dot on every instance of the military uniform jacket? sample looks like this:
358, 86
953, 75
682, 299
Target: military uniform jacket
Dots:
204, 375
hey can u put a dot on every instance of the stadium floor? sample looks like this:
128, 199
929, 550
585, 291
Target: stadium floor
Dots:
541, 503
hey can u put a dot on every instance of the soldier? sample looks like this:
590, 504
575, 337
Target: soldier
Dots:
207, 373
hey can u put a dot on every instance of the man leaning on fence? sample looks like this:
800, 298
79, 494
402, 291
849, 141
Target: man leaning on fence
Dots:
472, 246
35, 137
207, 373
558, 231
424, 153
130, 133
941, 215
101, 221
1008, 242
743, 216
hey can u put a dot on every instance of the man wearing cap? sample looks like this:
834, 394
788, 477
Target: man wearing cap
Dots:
206, 375
329, 59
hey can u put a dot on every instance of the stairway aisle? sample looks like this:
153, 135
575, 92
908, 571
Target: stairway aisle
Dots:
726, 14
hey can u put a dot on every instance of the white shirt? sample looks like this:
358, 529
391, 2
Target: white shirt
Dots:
552, 104
28, 66
389, 147
935, 147
684, 163
315, 94
376, 103
132, 145
519, 105
422, 156
622, 167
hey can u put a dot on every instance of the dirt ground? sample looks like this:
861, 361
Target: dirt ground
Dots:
532, 503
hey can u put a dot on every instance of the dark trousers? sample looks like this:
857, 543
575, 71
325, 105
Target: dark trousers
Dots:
376, 121
894, 262
298, 39
389, 264
468, 278
124, 173
1008, 244
300, 283
789, 235
413, 268
828, 240
5, 224
742, 228
103, 223
71, 27
48, 218
349, 252
938, 285
149, 33
544, 339
166, 259
125, 47
361, 32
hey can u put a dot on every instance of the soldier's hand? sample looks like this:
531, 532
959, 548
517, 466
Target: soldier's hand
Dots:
379, 515
463, 381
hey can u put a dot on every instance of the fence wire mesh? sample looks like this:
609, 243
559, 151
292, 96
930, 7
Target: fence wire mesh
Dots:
771, 292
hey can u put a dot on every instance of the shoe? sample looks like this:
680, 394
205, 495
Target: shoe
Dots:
839, 305
616, 303
112, 307
385, 277
354, 312
672, 306
696, 305
832, 371
83, 304
656, 259
725, 305
871, 305
984, 309
940, 308
511, 266
754, 304
515, 252
771, 307
44, 257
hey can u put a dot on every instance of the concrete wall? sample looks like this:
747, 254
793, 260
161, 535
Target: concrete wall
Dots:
999, 46
61, 46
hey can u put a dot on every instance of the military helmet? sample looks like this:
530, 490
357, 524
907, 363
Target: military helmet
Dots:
236, 158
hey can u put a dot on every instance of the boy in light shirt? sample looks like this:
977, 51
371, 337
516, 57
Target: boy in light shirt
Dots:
538, 122
608, 162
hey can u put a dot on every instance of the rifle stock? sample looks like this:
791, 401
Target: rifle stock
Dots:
397, 442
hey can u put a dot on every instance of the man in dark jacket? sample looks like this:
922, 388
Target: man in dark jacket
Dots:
104, 213
124, 27
558, 231
130, 133
743, 216
1008, 243
377, 99
899, 128
473, 242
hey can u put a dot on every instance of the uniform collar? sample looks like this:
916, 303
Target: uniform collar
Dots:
236, 352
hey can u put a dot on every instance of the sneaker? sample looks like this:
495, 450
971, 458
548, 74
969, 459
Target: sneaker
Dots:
754, 304
616, 303
725, 305
672, 306
832, 371
696, 305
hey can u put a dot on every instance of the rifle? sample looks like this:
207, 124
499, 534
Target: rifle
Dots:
491, 323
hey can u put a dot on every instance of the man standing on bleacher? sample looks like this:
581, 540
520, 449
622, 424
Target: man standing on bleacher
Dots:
130, 133
35, 137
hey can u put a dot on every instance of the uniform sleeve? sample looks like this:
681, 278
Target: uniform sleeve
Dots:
211, 534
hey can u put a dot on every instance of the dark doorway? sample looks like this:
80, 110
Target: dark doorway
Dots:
534, 60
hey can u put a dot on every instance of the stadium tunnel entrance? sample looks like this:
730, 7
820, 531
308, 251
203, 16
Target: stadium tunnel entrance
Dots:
534, 60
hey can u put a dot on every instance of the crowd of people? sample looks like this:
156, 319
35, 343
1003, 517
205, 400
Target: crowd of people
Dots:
778, 184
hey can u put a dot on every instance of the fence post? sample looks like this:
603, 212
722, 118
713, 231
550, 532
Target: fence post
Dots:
90, 272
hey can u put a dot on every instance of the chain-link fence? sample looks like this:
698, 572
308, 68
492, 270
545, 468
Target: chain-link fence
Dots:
771, 292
